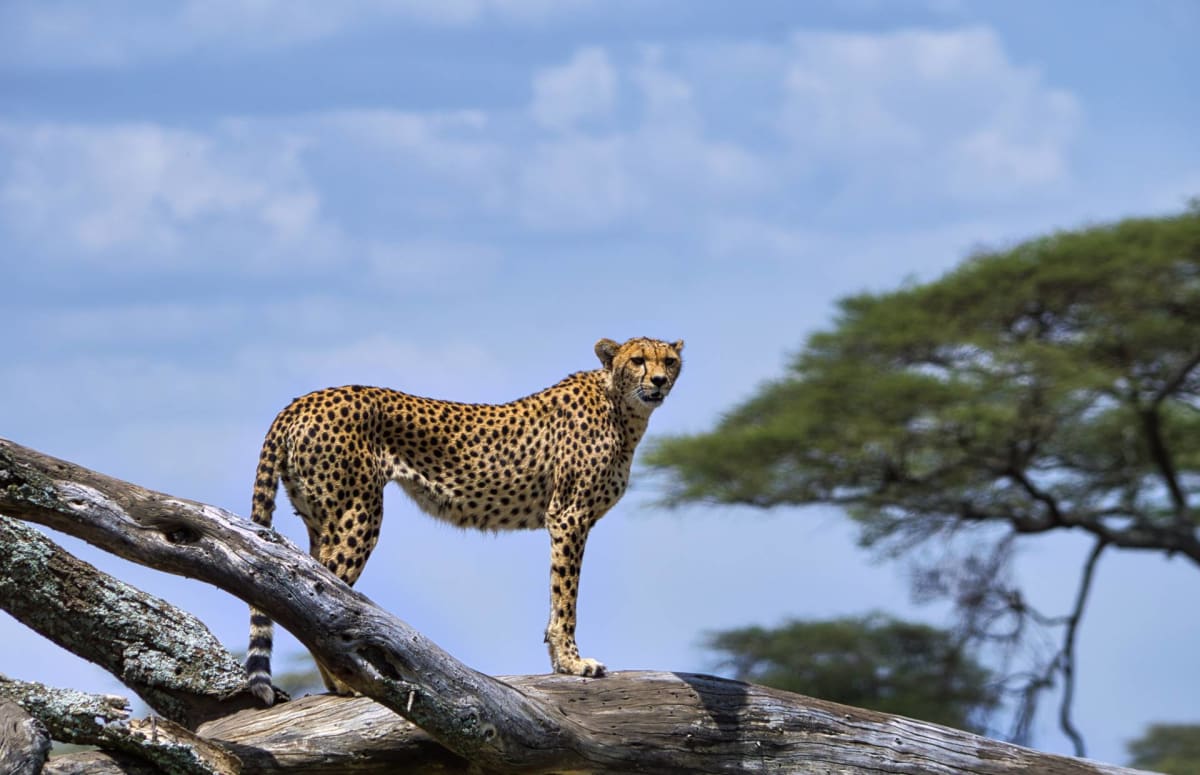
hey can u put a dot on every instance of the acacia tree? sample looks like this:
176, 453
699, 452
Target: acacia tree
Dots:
1049, 387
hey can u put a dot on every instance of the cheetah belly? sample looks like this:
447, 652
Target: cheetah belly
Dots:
500, 499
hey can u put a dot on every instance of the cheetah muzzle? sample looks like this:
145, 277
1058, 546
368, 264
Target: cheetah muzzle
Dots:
557, 459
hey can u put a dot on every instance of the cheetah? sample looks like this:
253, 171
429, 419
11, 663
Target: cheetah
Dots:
557, 459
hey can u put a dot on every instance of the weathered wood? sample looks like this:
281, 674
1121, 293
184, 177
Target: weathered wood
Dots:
327, 734
92, 719
628, 722
24, 741
164, 654
646, 722
71, 716
370, 650
99, 763
172, 748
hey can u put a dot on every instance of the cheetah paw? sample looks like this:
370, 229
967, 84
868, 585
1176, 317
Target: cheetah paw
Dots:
582, 666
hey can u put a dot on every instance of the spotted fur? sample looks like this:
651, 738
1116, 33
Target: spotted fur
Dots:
557, 459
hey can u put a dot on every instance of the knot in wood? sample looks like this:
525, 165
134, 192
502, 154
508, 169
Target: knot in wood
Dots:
180, 534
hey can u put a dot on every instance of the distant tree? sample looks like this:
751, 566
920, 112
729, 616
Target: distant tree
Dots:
1170, 748
872, 662
1049, 387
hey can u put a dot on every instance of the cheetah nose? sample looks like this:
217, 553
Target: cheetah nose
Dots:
659, 381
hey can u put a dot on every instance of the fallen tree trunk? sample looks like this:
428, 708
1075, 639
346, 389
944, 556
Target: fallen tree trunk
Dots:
627, 722
641, 722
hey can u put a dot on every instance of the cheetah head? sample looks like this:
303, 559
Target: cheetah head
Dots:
643, 370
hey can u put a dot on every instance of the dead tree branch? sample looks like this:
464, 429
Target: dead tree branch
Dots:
1067, 655
370, 650
164, 654
635, 722
90, 719
645, 722
71, 716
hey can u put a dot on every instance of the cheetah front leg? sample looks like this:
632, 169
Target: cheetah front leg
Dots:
568, 534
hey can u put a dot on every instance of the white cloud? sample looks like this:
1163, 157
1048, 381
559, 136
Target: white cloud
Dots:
666, 96
911, 116
922, 109
584, 88
659, 167
149, 193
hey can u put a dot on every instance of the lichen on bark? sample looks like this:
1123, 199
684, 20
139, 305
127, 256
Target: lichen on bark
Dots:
164, 654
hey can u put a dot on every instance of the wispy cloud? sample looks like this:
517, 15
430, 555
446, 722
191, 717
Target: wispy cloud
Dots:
641, 139
927, 112
145, 193
583, 88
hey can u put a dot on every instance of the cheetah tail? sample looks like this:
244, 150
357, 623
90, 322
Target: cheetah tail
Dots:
258, 656
262, 629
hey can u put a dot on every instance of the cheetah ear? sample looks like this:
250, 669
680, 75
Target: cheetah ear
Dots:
677, 345
606, 350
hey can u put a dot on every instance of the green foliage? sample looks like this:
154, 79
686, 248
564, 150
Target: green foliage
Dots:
1050, 385
1170, 748
871, 662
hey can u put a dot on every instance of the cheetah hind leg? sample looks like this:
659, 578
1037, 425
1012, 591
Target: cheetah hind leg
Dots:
343, 548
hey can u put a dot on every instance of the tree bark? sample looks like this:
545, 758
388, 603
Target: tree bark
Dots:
102, 720
638, 722
164, 654
24, 741
627, 722
71, 716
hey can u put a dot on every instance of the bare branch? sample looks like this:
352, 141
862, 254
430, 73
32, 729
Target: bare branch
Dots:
164, 654
90, 719
71, 716
1054, 515
1152, 427
1066, 660
1178, 379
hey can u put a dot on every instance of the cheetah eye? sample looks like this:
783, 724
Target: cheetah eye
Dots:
668, 362
638, 361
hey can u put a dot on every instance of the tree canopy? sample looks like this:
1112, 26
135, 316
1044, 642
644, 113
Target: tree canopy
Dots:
1052, 385
1168, 748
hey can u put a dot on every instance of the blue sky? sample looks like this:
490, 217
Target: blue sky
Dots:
207, 208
